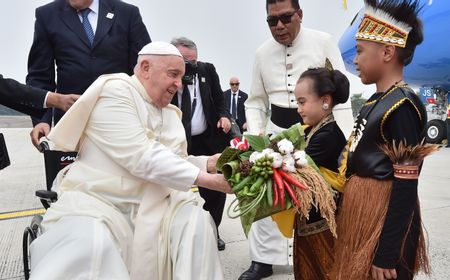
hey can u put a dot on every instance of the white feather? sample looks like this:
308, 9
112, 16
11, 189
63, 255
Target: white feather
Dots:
385, 17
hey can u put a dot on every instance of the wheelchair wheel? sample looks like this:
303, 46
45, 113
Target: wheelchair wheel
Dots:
29, 235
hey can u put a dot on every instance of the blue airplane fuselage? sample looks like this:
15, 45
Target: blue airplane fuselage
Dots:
431, 64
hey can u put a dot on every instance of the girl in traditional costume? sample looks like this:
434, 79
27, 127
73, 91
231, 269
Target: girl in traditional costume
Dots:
379, 232
317, 92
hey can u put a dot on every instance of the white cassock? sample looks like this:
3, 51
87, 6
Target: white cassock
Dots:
275, 73
125, 208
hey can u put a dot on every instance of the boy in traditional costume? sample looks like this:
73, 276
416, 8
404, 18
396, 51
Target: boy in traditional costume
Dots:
379, 226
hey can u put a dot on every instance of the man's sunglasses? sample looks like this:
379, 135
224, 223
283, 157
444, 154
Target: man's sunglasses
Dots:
234, 84
284, 18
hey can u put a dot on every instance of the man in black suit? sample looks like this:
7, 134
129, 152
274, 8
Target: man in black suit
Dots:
205, 118
30, 101
85, 39
238, 97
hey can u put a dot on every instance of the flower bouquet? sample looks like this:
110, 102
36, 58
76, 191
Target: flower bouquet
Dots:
271, 175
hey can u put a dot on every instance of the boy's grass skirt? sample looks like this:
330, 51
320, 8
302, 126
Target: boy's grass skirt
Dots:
359, 225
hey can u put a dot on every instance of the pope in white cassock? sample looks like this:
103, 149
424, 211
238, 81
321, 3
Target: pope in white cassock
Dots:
125, 208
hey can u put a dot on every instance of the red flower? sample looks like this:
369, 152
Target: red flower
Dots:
239, 144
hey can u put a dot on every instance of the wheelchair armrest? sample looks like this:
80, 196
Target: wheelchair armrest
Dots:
47, 195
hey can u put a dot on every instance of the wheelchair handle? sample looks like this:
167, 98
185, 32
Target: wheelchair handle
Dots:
44, 146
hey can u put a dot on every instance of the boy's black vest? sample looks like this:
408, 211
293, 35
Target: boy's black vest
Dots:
365, 158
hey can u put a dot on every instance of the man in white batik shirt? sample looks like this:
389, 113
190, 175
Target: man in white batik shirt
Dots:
271, 107
125, 208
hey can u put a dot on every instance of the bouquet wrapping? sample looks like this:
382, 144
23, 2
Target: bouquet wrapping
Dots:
271, 175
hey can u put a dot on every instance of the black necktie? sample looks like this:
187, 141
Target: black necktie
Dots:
87, 25
194, 102
186, 109
186, 104
233, 107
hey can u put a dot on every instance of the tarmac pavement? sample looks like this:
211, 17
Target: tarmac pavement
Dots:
19, 181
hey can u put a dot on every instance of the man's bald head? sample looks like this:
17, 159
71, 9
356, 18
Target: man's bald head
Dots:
234, 84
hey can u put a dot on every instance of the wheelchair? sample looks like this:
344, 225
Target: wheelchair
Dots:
54, 161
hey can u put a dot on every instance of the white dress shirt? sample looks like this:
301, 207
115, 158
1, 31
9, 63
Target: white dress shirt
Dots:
45, 100
235, 100
92, 16
198, 122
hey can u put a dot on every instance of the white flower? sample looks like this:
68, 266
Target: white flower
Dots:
289, 168
288, 163
302, 162
299, 154
300, 158
288, 159
285, 147
267, 151
255, 156
277, 160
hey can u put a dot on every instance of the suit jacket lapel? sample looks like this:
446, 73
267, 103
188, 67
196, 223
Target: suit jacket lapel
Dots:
103, 23
204, 92
227, 98
70, 17
240, 102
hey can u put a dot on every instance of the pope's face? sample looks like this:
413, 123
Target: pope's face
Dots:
164, 79
80, 4
284, 33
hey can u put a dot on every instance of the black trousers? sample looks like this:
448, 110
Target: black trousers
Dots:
4, 157
448, 132
204, 144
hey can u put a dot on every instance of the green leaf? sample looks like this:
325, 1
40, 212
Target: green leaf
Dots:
245, 155
227, 155
257, 143
295, 134
230, 168
312, 163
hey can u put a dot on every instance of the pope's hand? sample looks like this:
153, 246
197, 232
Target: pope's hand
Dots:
214, 182
212, 161
222, 184
225, 124
40, 130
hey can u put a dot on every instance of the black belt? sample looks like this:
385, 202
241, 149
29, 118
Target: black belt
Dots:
284, 117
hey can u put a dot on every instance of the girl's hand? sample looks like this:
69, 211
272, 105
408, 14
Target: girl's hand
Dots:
379, 273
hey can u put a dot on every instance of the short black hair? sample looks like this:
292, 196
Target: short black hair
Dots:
331, 82
294, 4
404, 11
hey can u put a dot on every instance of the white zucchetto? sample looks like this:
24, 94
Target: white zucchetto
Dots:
160, 48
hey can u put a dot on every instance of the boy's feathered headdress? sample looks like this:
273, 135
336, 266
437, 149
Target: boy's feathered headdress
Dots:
388, 21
